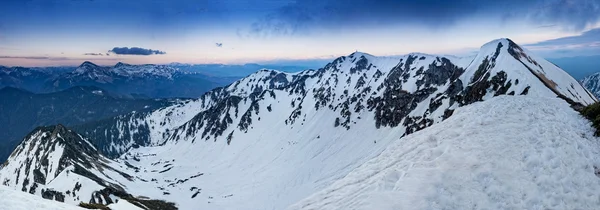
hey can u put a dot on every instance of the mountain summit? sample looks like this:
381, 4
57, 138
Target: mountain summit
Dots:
294, 134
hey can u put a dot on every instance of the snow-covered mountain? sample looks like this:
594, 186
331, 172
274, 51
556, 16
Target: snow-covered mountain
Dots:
102, 74
592, 83
273, 138
59, 164
156, 81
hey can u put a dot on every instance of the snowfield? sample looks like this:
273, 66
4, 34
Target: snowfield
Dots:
16, 200
504, 153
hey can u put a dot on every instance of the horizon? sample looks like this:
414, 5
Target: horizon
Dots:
282, 62
65, 33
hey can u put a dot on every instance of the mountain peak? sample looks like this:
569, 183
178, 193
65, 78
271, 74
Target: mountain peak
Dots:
120, 64
58, 154
358, 54
87, 63
503, 56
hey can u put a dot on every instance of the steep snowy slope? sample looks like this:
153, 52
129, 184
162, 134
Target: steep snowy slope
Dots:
555, 79
50, 158
504, 153
58, 164
592, 83
273, 138
16, 200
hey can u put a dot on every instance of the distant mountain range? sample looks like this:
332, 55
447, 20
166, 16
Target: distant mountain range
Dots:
222, 70
145, 81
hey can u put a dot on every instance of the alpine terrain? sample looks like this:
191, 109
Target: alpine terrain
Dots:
496, 130
592, 83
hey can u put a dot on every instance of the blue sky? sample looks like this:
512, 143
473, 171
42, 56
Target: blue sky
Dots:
67, 32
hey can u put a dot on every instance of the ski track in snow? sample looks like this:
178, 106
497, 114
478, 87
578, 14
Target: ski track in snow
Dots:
505, 153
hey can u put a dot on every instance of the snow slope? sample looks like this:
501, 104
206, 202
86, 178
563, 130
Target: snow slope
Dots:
592, 83
123, 205
504, 153
17, 200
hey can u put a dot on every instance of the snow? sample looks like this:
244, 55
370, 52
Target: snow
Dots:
518, 152
97, 92
54, 161
127, 70
527, 69
122, 204
17, 200
592, 83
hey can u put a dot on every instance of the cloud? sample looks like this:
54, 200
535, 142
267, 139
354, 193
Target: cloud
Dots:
570, 14
95, 54
302, 17
547, 26
135, 51
218, 44
28, 57
590, 36
47, 58
587, 43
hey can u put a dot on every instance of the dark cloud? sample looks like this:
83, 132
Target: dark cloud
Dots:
135, 51
304, 16
218, 44
570, 14
95, 54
